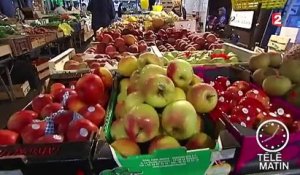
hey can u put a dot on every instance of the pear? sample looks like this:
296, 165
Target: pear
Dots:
291, 69
276, 85
260, 74
259, 61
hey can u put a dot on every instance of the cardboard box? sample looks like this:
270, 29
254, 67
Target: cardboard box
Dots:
20, 91
176, 161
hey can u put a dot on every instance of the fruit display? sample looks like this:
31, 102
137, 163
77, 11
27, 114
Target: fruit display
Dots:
216, 56
64, 115
160, 106
248, 105
278, 77
182, 40
37, 30
89, 61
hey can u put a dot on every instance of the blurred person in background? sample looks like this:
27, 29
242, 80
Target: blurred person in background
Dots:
178, 9
103, 13
222, 19
58, 9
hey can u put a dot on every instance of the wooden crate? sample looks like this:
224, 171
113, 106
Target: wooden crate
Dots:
19, 44
51, 36
20, 91
56, 66
5, 50
37, 40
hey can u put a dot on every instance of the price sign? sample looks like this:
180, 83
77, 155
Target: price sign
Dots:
276, 19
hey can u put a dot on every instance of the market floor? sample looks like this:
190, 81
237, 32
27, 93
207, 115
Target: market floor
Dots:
7, 107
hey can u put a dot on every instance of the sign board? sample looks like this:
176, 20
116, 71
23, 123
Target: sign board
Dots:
278, 43
276, 19
242, 19
259, 49
292, 33
190, 25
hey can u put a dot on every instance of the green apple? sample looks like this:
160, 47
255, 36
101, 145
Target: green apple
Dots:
276, 85
158, 91
203, 97
233, 59
178, 120
163, 142
181, 72
175, 53
231, 54
204, 60
218, 60
179, 94
169, 56
117, 130
148, 58
149, 71
141, 123
123, 89
290, 69
133, 99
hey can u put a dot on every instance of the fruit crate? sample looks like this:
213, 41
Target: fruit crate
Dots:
163, 161
247, 156
56, 66
19, 44
51, 36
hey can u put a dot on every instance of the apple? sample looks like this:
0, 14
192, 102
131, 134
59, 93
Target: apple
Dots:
242, 85
181, 73
126, 147
40, 101
163, 142
33, 131
148, 58
120, 109
133, 99
223, 81
124, 83
203, 97
90, 88
63, 95
200, 141
50, 109
178, 120
50, 139
103, 101
95, 114
158, 91
141, 123
260, 96
118, 130
221, 109
179, 94
105, 76
244, 116
196, 79
127, 65
62, 121
149, 71
252, 102
74, 103
21, 119
8, 137
218, 87
296, 126
55, 88
81, 130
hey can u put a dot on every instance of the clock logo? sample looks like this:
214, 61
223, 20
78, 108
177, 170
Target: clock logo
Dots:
272, 136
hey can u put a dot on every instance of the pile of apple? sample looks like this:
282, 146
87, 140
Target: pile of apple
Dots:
248, 105
182, 40
160, 106
82, 61
277, 76
216, 56
65, 114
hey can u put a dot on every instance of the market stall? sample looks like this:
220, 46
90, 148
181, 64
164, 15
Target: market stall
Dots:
149, 96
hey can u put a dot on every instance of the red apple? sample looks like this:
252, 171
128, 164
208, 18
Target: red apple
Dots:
56, 88
223, 81
8, 137
21, 119
105, 76
81, 130
90, 88
104, 99
244, 116
33, 131
218, 87
296, 126
260, 96
74, 103
234, 92
242, 85
62, 121
95, 114
50, 109
40, 101
220, 109
251, 102
64, 94
50, 139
